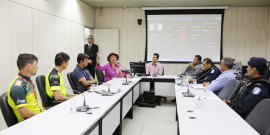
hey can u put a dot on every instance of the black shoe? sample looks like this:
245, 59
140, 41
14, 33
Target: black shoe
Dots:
173, 100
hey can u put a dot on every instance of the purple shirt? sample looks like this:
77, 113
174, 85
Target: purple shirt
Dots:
156, 68
109, 71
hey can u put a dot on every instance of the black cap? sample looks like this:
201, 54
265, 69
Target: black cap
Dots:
256, 62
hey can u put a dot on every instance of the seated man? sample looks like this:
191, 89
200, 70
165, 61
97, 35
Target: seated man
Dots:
22, 95
154, 67
210, 73
80, 75
54, 81
227, 74
256, 90
194, 68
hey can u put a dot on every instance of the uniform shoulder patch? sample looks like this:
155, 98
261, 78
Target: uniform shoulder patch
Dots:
18, 82
256, 90
212, 71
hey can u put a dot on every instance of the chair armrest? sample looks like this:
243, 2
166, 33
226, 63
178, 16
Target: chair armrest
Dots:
56, 103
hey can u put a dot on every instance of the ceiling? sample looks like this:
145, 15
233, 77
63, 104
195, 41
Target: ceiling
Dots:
173, 3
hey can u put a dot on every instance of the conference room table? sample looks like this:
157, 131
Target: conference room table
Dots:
105, 120
213, 118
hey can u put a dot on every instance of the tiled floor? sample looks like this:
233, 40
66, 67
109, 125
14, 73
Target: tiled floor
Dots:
152, 121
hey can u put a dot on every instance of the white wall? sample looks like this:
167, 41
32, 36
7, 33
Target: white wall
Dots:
44, 28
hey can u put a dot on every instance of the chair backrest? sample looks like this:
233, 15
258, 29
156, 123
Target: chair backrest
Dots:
40, 81
7, 111
163, 71
100, 75
230, 88
70, 80
259, 118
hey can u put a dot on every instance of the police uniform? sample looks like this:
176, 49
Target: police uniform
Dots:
54, 81
208, 75
22, 92
255, 91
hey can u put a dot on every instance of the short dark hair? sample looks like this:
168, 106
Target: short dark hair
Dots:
60, 58
156, 55
208, 60
261, 69
81, 57
24, 59
228, 62
199, 57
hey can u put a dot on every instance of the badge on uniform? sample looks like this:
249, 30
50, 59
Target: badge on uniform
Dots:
212, 71
18, 83
256, 90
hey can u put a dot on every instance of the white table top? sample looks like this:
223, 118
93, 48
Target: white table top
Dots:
215, 118
59, 120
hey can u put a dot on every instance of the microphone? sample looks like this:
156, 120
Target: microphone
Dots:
184, 69
205, 73
83, 108
125, 69
124, 83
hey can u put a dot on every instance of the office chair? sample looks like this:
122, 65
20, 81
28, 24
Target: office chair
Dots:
72, 84
7, 111
259, 117
46, 100
100, 76
230, 88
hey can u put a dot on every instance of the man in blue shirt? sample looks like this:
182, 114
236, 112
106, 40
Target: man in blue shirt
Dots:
80, 75
227, 74
255, 91
210, 72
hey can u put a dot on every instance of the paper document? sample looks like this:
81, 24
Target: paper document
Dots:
198, 87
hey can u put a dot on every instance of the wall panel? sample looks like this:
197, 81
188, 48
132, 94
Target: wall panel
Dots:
230, 18
252, 17
47, 6
63, 44
111, 18
250, 43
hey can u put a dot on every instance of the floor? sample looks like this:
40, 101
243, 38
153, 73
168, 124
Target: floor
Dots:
152, 121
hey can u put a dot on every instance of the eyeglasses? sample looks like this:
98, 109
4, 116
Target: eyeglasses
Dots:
90, 38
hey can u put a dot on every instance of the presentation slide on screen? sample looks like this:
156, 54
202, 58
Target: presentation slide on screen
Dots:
178, 38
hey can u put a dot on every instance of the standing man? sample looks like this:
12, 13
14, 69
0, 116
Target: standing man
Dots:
22, 95
91, 50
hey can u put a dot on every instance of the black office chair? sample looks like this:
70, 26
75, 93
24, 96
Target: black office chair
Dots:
230, 88
267, 75
46, 100
72, 84
259, 117
7, 111
100, 76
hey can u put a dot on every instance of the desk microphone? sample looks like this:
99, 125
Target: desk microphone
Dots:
184, 69
124, 83
83, 108
205, 73
122, 66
